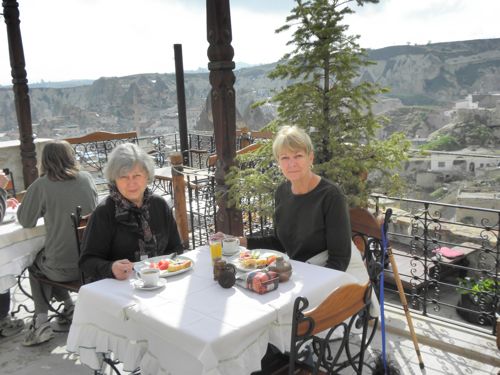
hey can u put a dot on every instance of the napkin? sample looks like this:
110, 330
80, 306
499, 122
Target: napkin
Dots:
448, 253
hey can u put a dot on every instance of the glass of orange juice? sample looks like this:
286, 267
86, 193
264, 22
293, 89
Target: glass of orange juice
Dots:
215, 249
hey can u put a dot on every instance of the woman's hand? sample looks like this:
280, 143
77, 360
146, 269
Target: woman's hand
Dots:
12, 203
219, 236
243, 241
4, 180
122, 269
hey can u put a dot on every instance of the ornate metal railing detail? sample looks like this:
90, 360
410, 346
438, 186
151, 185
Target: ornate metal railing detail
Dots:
448, 266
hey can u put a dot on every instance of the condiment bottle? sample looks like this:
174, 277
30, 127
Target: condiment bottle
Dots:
283, 268
219, 266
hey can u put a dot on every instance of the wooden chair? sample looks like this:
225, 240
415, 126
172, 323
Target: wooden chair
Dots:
321, 336
92, 150
367, 236
79, 224
212, 159
11, 187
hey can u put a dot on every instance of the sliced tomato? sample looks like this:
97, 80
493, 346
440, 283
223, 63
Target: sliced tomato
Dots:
163, 264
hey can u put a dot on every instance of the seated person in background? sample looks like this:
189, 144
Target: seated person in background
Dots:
54, 196
8, 326
131, 224
311, 217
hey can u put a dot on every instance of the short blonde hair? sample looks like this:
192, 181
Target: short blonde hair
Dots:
292, 138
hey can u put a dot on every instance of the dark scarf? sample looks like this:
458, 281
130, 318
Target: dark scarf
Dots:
137, 219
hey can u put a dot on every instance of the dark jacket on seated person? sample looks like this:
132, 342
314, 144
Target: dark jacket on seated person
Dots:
110, 237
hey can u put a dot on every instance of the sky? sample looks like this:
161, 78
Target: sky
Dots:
87, 39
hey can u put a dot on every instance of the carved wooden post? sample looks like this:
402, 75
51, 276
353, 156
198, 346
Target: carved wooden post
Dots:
221, 65
181, 102
20, 87
179, 195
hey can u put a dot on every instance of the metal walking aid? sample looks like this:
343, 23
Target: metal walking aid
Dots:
387, 250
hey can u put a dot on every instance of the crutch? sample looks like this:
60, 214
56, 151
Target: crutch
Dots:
399, 285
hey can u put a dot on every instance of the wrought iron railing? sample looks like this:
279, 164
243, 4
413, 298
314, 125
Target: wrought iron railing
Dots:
201, 145
450, 267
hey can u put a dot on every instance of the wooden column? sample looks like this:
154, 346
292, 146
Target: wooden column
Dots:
21, 91
179, 195
220, 54
181, 102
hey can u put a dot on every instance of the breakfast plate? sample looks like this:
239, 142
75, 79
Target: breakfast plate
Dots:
167, 265
249, 260
9, 216
8, 219
139, 284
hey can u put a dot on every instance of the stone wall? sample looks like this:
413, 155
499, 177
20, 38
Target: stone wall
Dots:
10, 157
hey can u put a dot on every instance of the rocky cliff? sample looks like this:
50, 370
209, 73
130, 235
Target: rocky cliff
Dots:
437, 73
433, 74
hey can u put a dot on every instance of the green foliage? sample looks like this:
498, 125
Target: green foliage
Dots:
473, 286
253, 182
326, 100
439, 193
442, 143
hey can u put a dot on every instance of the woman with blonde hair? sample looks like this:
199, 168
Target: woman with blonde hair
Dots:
311, 217
54, 196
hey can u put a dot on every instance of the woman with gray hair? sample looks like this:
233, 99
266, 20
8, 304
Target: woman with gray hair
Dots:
54, 196
131, 224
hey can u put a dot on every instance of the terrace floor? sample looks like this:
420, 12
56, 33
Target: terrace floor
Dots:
445, 348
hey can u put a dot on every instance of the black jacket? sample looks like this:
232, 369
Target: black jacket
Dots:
107, 240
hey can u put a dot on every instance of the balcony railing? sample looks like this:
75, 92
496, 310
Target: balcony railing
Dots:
449, 268
462, 284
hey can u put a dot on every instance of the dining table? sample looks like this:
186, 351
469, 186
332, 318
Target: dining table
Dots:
191, 325
18, 249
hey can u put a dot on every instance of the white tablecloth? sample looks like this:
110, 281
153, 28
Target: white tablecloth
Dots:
18, 248
193, 325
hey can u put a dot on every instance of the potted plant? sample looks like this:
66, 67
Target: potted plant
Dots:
477, 300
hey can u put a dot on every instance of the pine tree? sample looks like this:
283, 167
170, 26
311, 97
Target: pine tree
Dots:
327, 99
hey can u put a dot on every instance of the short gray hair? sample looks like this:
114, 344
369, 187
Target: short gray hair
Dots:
124, 158
292, 138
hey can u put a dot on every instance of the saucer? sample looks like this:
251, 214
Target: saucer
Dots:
237, 251
8, 219
139, 284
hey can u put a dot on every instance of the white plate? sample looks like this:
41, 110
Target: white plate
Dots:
241, 248
239, 267
164, 273
8, 219
139, 284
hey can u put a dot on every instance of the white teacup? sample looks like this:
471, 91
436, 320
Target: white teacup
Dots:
230, 245
150, 276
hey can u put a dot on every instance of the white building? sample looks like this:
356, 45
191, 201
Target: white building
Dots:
462, 162
489, 200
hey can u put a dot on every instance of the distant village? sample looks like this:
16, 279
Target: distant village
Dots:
468, 177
